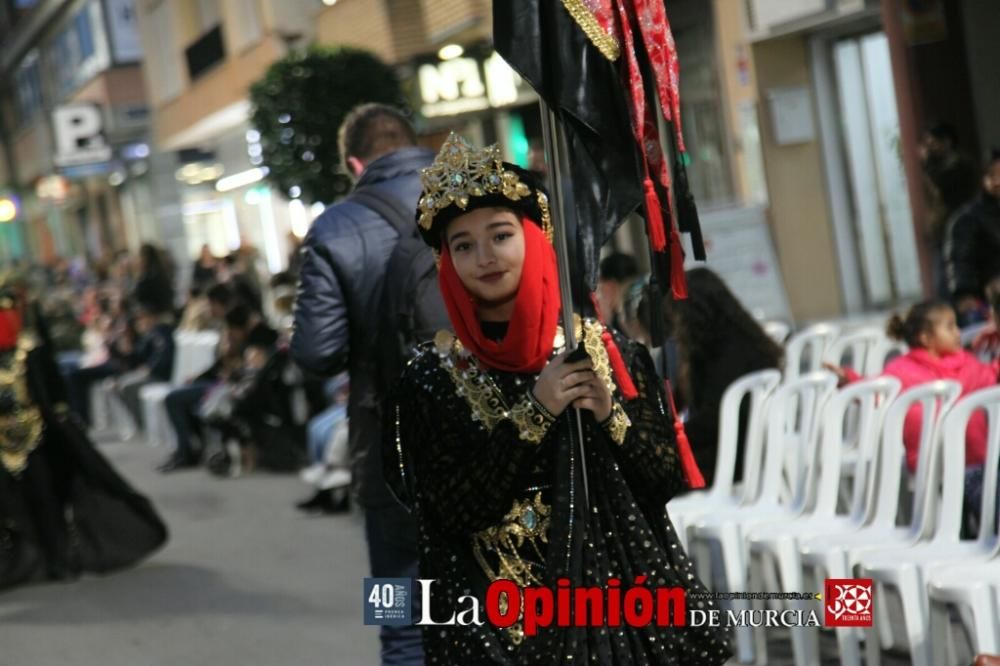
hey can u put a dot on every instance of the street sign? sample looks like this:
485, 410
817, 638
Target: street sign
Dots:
79, 133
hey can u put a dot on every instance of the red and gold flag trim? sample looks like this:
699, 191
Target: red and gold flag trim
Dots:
588, 16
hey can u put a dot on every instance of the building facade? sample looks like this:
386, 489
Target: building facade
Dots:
848, 87
74, 128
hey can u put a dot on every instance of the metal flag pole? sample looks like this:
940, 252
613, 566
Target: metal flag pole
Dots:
552, 135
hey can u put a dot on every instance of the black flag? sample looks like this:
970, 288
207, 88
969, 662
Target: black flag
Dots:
542, 43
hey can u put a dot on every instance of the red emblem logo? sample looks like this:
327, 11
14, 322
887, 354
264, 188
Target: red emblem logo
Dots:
848, 602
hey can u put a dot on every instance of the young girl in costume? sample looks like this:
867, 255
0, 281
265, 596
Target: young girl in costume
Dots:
478, 440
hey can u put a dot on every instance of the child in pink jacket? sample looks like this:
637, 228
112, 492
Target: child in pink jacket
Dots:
931, 331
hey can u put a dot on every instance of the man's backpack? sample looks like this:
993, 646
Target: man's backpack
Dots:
411, 309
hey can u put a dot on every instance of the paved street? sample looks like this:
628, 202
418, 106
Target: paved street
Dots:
245, 580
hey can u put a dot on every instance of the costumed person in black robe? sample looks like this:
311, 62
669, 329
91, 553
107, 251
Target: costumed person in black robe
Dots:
63, 508
478, 439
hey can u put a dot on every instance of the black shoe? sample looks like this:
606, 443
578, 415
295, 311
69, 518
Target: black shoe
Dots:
341, 504
325, 502
315, 503
175, 463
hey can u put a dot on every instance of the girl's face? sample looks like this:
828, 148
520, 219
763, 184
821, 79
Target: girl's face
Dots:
487, 251
944, 336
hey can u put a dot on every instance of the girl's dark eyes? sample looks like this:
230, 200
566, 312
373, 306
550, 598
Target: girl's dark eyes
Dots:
461, 247
502, 236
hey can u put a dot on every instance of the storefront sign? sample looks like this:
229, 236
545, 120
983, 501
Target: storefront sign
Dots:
79, 133
462, 85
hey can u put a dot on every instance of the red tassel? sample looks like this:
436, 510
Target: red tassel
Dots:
622, 378
678, 280
654, 217
688, 464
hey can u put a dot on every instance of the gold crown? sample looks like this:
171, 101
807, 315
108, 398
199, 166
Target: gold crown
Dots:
460, 172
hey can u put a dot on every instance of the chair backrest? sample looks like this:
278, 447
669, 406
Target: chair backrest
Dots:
777, 330
793, 417
852, 420
935, 399
194, 353
755, 389
808, 345
880, 355
856, 345
948, 468
181, 350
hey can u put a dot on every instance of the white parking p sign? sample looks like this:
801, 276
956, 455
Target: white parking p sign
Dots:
79, 133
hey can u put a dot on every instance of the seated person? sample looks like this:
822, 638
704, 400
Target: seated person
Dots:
154, 359
931, 331
184, 403
109, 345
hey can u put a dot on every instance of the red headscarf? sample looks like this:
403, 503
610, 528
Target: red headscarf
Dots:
527, 346
10, 328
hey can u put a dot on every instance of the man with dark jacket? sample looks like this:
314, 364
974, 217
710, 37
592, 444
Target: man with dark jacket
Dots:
343, 266
972, 247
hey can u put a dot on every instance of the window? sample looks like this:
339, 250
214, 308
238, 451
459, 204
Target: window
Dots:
84, 36
29, 88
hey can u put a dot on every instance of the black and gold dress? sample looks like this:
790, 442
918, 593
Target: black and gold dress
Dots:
497, 489
63, 509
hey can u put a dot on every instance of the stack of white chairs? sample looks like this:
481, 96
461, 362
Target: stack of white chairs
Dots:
907, 568
793, 417
807, 348
755, 389
836, 553
194, 353
777, 542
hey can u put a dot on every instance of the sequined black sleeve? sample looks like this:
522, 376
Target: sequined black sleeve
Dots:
461, 477
648, 456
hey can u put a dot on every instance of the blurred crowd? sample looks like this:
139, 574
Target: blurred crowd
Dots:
120, 325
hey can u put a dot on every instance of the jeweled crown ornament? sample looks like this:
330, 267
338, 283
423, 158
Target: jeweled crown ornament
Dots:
460, 172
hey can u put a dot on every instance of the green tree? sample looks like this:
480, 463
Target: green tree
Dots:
298, 106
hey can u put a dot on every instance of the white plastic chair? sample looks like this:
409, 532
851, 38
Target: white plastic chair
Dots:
793, 416
973, 588
193, 354
110, 417
835, 555
880, 355
755, 389
856, 345
777, 330
808, 345
906, 569
777, 542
